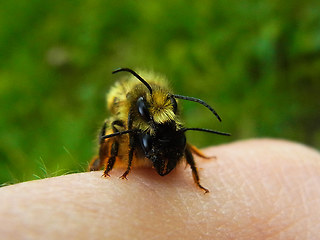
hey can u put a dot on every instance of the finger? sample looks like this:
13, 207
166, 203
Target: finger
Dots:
259, 189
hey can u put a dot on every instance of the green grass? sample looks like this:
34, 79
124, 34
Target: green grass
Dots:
256, 63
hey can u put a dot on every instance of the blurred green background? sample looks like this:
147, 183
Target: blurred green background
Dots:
256, 62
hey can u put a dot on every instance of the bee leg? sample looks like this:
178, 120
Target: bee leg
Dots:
114, 148
97, 162
102, 133
197, 152
124, 175
112, 159
192, 164
131, 147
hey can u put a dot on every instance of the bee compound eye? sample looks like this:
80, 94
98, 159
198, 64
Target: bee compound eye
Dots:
143, 109
146, 142
174, 104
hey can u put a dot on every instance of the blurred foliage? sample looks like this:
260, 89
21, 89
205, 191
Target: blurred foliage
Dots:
256, 62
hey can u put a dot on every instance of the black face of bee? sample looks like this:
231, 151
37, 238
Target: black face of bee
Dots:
174, 104
164, 148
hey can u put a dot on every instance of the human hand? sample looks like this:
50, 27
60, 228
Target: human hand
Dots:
259, 189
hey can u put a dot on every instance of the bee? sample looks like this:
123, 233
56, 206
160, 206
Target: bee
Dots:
145, 128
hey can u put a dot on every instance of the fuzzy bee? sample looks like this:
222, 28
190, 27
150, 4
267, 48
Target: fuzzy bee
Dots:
145, 128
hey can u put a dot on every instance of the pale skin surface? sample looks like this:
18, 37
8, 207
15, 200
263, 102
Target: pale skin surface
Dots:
259, 189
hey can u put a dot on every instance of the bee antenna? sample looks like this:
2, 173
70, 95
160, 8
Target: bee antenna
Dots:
206, 130
116, 134
198, 101
134, 74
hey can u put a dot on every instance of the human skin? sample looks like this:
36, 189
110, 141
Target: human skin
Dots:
259, 189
